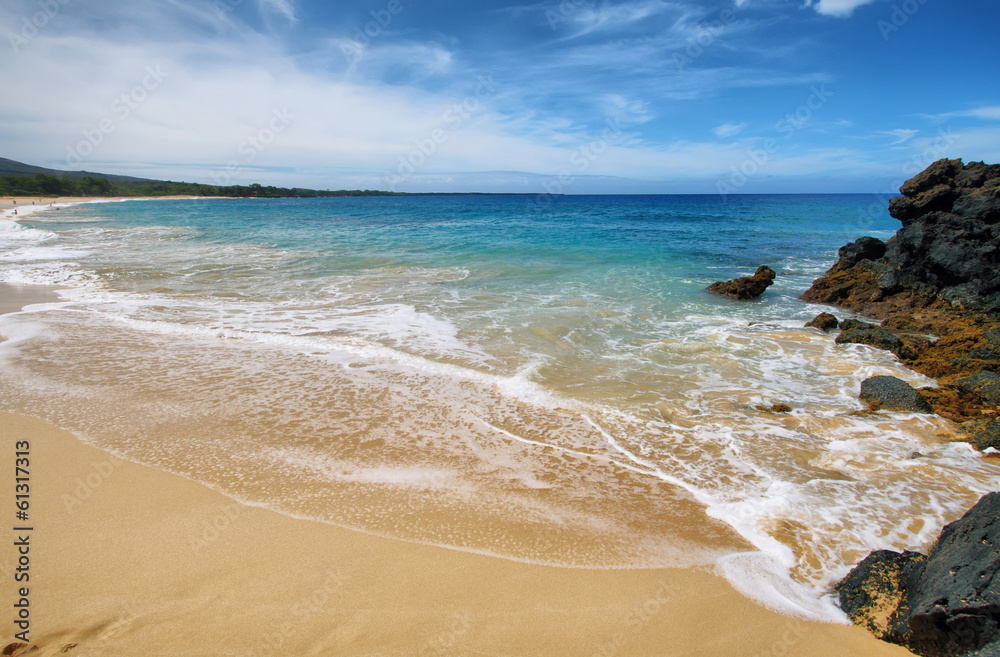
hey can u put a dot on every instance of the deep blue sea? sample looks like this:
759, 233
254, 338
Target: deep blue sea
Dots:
538, 378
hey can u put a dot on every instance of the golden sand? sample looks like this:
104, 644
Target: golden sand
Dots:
128, 560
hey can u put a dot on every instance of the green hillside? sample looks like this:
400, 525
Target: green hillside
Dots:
19, 179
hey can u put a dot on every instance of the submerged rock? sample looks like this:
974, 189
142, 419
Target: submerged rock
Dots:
892, 394
945, 605
775, 408
824, 322
982, 434
874, 337
746, 287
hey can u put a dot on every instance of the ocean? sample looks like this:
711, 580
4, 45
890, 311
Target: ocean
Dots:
542, 379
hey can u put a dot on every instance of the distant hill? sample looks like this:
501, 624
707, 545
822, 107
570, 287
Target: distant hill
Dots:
20, 179
12, 167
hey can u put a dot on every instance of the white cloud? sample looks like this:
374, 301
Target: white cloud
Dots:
729, 129
282, 7
839, 8
986, 113
351, 129
626, 111
901, 135
609, 17
413, 60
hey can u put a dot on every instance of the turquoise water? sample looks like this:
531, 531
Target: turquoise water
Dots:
542, 379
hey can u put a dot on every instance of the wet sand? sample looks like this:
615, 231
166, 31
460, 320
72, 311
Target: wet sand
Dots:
15, 297
12, 202
129, 560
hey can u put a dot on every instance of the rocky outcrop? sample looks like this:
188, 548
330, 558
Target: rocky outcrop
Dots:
983, 433
950, 240
873, 591
944, 605
746, 287
947, 250
892, 394
823, 322
865, 248
938, 276
984, 385
855, 332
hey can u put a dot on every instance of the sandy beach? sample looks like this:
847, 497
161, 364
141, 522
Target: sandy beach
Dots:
14, 202
129, 560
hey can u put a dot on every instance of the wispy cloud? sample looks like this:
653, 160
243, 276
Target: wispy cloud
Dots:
837, 8
985, 113
609, 17
626, 111
284, 8
729, 129
362, 102
901, 135
403, 61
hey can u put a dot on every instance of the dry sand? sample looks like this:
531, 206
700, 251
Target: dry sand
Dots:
129, 560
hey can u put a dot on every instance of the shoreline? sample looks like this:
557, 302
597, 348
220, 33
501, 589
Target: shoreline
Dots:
126, 558
42, 202
13, 298
692, 593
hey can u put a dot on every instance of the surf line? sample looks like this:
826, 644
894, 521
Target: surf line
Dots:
536, 443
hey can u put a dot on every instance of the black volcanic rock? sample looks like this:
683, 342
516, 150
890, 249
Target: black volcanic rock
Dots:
747, 287
873, 336
871, 593
865, 248
945, 605
892, 394
948, 247
852, 324
982, 433
951, 229
992, 650
984, 384
824, 322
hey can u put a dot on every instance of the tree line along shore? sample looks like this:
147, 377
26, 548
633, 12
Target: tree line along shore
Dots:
42, 184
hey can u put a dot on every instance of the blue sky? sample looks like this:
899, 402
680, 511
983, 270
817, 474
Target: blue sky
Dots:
640, 96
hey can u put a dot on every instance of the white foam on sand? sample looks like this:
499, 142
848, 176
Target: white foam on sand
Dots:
811, 490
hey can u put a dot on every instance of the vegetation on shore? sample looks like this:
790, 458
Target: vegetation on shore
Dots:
41, 184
